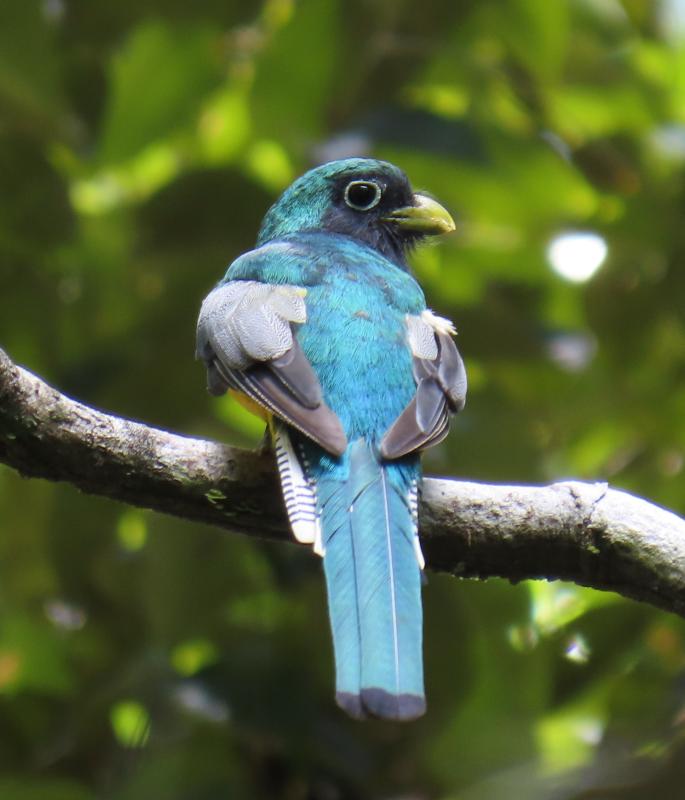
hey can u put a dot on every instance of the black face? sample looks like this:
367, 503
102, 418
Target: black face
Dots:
360, 208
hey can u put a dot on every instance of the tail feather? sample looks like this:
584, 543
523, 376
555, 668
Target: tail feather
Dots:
339, 566
299, 491
374, 588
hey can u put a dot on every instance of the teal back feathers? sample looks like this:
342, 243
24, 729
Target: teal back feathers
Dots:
355, 332
343, 379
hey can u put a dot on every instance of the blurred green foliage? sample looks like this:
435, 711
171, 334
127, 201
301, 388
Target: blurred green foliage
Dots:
140, 145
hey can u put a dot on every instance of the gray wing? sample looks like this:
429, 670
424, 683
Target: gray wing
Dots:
440, 388
245, 338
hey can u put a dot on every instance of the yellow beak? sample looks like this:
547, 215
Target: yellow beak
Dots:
426, 216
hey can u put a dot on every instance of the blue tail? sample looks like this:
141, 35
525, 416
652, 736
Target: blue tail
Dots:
374, 587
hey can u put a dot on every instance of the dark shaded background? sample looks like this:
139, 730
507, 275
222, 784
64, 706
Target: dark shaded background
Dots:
140, 144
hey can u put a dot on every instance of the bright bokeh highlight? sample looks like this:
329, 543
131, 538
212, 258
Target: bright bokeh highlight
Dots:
577, 255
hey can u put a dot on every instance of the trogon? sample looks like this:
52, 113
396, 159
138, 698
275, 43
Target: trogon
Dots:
324, 331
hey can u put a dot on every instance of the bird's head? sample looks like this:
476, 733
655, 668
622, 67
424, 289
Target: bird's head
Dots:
366, 199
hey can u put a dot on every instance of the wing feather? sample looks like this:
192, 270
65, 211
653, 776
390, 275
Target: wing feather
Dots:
440, 388
246, 339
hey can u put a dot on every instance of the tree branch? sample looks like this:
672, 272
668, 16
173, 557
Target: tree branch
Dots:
586, 533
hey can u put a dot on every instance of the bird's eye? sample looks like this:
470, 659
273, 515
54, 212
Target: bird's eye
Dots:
362, 195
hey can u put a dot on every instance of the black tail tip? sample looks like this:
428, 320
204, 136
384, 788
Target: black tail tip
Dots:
386, 705
382, 705
351, 704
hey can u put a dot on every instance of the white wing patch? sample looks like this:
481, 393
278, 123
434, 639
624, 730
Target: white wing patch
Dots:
421, 330
247, 321
421, 337
439, 324
299, 493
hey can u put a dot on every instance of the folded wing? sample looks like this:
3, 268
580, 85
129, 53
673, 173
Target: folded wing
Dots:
440, 388
245, 338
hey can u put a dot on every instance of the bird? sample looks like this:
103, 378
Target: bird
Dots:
323, 330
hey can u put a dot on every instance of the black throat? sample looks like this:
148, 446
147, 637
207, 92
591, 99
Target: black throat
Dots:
371, 230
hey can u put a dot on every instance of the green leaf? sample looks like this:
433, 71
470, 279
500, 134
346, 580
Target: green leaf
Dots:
303, 57
159, 80
132, 530
130, 722
32, 657
191, 656
556, 605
